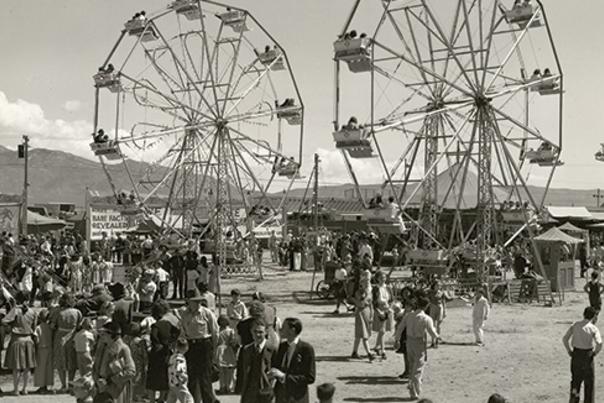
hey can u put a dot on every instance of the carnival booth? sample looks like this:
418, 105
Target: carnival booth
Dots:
580, 233
557, 251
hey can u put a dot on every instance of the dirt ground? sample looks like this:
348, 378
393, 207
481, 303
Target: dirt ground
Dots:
523, 358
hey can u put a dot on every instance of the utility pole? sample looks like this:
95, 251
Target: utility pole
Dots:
598, 196
315, 213
315, 195
24, 153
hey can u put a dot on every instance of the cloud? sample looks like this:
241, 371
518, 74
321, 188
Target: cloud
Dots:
72, 105
333, 168
23, 117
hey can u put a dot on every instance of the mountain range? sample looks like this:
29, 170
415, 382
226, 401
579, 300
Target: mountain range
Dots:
57, 176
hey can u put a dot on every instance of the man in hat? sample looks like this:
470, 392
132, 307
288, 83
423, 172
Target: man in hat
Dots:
199, 326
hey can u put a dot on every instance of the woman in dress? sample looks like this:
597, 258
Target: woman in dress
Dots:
362, 317
114, 370
21, 351
164, 333
382, 314
65, 323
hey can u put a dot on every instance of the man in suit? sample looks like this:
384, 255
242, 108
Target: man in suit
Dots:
254, 383
293, 365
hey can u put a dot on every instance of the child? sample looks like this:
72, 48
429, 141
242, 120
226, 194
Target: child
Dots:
146, 290
43, 374
138, 348
163, 278
236, 310
177, 374
226, 355
84, 343
325, 392
594, 291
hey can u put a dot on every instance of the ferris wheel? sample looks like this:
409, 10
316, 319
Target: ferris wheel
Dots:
198, 113
460, 105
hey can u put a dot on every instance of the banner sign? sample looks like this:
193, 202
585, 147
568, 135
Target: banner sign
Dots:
110, 221
9, 217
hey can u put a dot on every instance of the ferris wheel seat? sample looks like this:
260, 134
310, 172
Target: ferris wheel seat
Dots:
351, 49
363, 151
520, 13
109, 149
600, 156
352, 136
360, 65
188, 8
549, 87
293, 116
234, 19
138, 27
272, 58
289, 170
107, 80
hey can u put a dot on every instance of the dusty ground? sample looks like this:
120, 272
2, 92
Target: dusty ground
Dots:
523, 358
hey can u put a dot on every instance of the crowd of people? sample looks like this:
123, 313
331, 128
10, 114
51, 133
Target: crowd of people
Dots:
117, 338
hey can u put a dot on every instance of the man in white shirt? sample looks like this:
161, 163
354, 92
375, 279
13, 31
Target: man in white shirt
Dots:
418, 326
585, 335
480, 314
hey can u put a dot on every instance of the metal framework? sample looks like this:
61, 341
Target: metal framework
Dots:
454, 114
201, 126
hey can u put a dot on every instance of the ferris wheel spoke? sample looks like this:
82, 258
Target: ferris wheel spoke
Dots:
168, 98
259, 144
425, 69
254, 179
403, 122
444, 41
175, 168
522, 126
179, 67
513, 49
417, 58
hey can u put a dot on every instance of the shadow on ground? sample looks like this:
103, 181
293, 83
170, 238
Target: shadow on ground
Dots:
372, 380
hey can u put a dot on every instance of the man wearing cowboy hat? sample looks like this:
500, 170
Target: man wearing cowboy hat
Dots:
199, 326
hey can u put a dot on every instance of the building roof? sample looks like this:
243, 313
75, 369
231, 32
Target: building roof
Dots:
577, 213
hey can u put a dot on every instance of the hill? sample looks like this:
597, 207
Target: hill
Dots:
57, 176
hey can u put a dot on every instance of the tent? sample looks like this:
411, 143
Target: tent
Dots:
556, 235
37, 223
568, 227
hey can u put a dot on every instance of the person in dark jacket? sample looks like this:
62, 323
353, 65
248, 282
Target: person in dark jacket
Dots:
255, 383
293, 365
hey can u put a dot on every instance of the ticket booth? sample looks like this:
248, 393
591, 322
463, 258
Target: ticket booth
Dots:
557, 251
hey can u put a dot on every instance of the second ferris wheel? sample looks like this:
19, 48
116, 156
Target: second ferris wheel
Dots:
459, 102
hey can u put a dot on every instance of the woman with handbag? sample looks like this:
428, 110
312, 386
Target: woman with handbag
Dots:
115, 369
382, 316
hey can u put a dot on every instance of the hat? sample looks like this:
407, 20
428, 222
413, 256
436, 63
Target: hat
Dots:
149, 273
98, 289
113, 328
117, 290
194, 295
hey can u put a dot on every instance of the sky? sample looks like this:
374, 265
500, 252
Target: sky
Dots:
51, 48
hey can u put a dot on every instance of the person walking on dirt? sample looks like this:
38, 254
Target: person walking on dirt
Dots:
480, 314
594, 290
583, 336
418, 326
